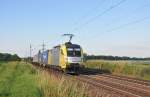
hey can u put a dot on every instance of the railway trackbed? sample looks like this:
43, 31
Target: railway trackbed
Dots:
121, 85
134, 80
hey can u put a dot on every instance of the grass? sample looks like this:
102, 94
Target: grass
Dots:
18, 79
51, 86
138, 69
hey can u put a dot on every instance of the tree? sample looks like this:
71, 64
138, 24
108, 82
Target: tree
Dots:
9, 57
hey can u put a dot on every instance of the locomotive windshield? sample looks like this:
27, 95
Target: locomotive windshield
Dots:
74, 52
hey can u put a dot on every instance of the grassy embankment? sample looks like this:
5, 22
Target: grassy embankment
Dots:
18, 79
138, 69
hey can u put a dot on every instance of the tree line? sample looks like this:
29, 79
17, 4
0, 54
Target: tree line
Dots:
95, 57
9, 57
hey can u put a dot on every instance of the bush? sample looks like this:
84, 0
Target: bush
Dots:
145, 71
9, 57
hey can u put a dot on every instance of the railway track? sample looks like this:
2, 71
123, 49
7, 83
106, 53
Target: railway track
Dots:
142, 87
130, 89
134, 80
105, 86
121, 85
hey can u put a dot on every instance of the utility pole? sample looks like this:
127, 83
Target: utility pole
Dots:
43, 47
30, 52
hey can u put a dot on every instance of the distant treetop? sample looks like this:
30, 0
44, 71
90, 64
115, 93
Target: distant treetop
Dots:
9, 57
92, 57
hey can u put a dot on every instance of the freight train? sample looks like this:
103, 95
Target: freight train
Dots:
66, 57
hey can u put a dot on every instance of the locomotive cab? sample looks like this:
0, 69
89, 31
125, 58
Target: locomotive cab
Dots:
74, 57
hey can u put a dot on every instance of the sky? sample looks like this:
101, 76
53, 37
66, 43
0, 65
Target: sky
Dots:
101, 27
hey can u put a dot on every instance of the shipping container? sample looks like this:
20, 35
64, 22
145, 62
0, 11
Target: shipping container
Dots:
44, 57
40, 57
55, 55
35, 59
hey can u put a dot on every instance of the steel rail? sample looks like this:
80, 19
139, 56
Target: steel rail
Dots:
90, 81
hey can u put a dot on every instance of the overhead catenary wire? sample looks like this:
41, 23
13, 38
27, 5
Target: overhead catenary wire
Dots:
88, 13
126, 25
131, 13
106, 11
99, 15
129, 23
45, 45
143, 6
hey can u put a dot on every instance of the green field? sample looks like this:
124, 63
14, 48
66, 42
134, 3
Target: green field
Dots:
138, 69
18, 79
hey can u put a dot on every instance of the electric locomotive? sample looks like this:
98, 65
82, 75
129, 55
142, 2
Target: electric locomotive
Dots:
66, 57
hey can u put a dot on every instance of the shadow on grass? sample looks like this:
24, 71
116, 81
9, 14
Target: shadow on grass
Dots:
5, 94
82, 70
93, 71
